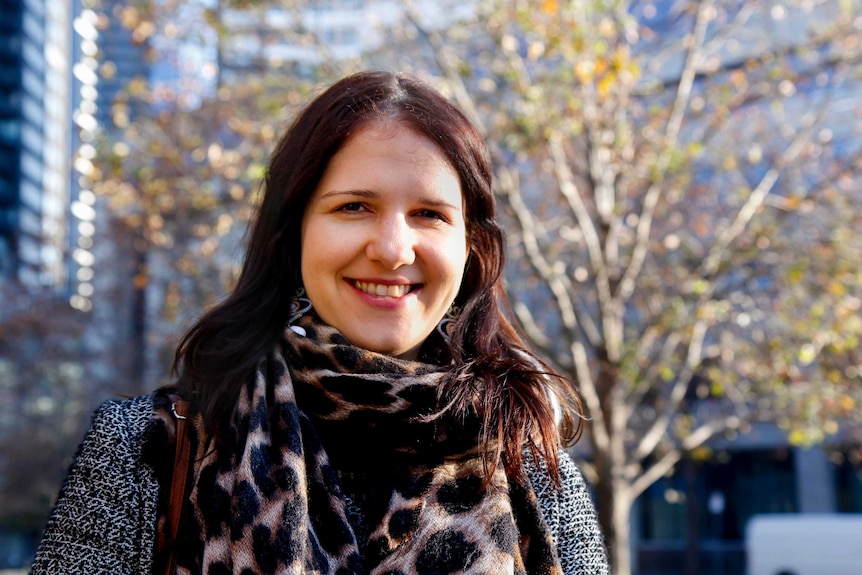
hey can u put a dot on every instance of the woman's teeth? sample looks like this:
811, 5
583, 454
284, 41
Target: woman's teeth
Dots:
382, 290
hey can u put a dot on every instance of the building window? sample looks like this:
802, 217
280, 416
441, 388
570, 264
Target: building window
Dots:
339, 36
848, 479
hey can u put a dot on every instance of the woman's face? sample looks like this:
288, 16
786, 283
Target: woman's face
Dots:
384, 242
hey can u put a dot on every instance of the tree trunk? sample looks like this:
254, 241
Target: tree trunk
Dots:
138, 360
614, 506
620, 556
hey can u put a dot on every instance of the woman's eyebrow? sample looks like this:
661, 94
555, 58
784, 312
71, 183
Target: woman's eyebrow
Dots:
360, 193
371, 194
437, 203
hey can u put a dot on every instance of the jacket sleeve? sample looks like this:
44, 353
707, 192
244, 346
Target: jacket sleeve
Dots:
104, 519
571, 517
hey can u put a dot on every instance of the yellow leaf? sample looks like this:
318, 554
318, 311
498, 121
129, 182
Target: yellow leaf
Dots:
700, 286
796, 437
818, 309
796, 274
605, 85
621, 56
792, 202
701, 453
256, 171
601, 66
807, 354
550, 6
584, 71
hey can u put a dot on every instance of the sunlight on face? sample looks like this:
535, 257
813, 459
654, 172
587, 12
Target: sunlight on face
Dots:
384, 241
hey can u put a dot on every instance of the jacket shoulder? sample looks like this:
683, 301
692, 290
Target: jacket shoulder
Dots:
104, 516
126, 419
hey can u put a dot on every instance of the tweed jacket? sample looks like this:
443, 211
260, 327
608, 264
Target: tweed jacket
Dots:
104, 520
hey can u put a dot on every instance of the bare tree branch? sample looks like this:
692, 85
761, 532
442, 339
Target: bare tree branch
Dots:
683, 94
636, 395
536, 335
755, 200
661, 467
447, 60
508, 184
693, 359
570, 191
587, 387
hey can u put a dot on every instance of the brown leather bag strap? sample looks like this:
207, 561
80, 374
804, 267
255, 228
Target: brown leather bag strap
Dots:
182, 456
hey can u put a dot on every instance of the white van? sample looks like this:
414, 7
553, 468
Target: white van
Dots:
804, 544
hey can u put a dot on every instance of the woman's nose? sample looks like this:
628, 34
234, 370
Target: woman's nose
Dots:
393, 244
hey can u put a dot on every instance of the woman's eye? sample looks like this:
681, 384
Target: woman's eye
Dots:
431, 214
351, 207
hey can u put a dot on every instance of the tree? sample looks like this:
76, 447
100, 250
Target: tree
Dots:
45, 397
681, 180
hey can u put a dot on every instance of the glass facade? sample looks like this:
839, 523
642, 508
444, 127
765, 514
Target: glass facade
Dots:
848, 478
34, 141
57, 136
11, 88
55, 96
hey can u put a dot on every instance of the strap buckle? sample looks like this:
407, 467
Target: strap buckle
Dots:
174, 411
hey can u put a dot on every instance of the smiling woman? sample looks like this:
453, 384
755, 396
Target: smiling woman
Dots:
360, 403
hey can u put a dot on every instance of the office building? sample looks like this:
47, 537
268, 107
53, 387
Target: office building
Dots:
35, 136
62, 66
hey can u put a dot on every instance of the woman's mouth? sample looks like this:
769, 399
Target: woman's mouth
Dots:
381, 290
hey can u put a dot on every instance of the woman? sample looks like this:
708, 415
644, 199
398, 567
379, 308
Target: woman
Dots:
360, 402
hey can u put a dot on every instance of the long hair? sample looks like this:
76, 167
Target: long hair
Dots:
516, 394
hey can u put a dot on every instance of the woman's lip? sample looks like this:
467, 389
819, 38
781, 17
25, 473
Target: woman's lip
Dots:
386, 282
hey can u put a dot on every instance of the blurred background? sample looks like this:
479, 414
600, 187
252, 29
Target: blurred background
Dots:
681, 192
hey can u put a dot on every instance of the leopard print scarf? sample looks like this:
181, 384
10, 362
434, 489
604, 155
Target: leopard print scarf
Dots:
267, 499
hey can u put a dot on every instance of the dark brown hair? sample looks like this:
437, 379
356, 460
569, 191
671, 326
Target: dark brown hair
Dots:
495, 376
